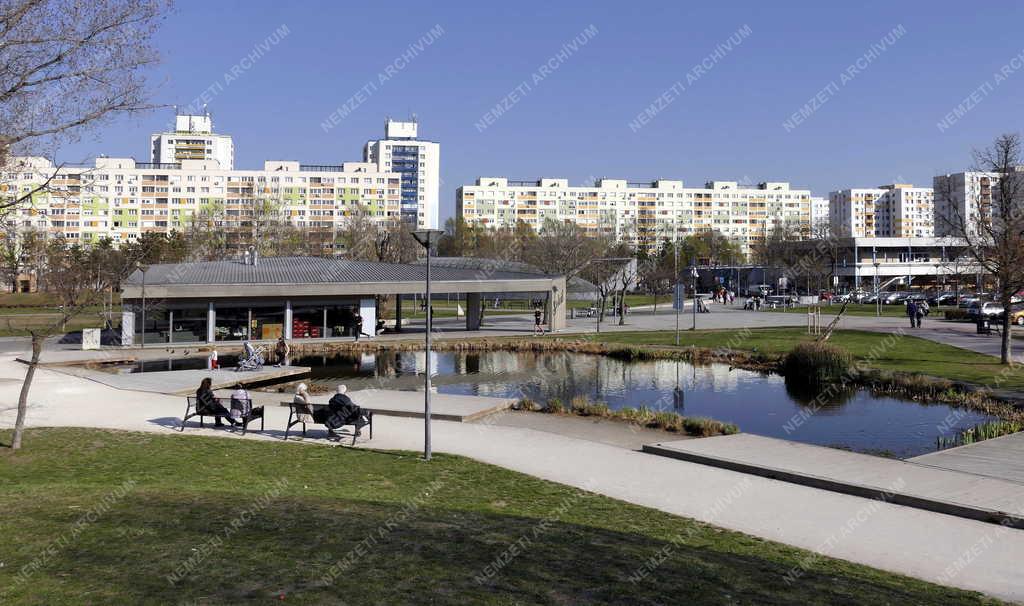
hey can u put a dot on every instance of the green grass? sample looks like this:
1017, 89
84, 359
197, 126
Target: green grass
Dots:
861, 309
417, 532
907, 354
631, 300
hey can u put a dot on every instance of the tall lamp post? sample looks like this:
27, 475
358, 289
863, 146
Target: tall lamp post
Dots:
677, 299
427, 238
693, 291
143, 269
878, 295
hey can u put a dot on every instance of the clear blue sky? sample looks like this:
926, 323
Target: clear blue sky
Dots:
877, 127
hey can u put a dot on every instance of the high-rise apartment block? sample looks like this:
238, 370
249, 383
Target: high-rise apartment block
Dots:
192, 171
193, 139
641, 214
419, 164
898, 210
959, 197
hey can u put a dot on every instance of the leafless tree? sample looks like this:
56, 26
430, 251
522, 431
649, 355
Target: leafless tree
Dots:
992, 224
67, 66
80, 279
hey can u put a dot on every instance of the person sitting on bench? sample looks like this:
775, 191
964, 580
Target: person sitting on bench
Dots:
241, 403
341, 410
207, 404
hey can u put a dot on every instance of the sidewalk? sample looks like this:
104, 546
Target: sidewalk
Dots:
931, 546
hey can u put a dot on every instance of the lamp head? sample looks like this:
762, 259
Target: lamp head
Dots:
427, 237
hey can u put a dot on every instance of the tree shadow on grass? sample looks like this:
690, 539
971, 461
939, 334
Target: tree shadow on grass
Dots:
182, 548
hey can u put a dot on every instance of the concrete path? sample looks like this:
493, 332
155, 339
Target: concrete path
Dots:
185, 382
930, 488
997, 458
935, 547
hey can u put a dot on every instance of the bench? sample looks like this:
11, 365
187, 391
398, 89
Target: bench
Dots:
298, 413
192, 409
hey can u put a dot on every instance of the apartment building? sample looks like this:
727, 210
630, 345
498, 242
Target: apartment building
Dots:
897, 210
192, 139
641, 214
419, 164
819, 214
121, 198
958, 199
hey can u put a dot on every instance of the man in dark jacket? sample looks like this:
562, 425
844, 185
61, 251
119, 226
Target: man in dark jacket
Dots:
341, 410
915, 318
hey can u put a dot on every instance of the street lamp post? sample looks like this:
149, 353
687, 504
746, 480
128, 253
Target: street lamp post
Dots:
878, 296
678, 300
427, 238
143, 269
693, 291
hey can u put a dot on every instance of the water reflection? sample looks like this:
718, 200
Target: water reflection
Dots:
760, 403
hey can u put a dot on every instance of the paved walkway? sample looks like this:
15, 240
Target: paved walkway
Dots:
911, 484
185, 382
931, 546
998, 458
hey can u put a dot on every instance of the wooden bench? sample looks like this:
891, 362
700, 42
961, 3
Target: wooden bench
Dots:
192, 409
297, 414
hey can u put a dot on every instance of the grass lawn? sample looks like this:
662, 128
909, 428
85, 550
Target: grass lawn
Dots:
410, 532
862, 309
908, 354
631, 300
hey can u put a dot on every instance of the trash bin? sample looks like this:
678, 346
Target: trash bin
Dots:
983, 325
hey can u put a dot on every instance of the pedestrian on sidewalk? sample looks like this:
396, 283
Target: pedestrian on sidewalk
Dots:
912, 311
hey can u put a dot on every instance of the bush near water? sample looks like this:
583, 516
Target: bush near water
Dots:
816, 364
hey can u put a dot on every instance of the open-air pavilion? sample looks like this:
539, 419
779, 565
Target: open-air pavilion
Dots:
305, 297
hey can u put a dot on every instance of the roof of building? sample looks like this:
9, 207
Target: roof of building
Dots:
312, 270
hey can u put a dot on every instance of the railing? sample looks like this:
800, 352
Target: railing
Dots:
159, 165
321, 168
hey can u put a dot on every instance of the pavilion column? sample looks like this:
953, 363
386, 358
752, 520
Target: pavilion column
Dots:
556, 305
473, 311
287, 332
398, 313
211, 323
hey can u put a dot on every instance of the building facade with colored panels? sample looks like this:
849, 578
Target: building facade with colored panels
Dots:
641, 214
121, 199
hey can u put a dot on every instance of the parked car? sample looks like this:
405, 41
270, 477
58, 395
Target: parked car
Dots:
870, 299
892, 298
985, 308
1016, 314
943, 298
774, 301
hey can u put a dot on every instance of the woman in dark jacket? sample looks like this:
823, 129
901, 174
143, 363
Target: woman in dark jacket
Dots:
207, 404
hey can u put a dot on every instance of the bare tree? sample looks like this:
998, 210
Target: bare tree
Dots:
67, 66
992, 222
80, 279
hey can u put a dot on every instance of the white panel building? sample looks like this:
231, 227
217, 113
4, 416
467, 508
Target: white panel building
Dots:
897, 210
642, 214
419, 164
193, 139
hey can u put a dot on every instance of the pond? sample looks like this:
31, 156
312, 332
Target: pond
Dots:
758, 403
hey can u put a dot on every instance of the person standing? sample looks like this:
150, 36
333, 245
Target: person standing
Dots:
281, 350
359, 326
912, 312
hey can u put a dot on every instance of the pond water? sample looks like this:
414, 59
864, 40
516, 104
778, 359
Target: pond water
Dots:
758, 403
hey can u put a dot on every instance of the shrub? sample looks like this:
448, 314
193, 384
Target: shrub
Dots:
817, 363
555, 405
579, 404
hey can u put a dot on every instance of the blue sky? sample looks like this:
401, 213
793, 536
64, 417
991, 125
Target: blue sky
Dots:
876, 125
